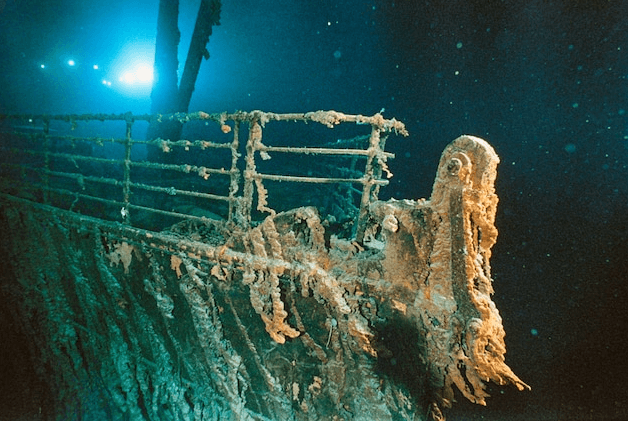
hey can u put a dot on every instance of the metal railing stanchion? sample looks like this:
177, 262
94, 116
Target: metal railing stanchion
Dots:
126, 187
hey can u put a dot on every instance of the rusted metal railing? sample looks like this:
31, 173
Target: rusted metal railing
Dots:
46, 162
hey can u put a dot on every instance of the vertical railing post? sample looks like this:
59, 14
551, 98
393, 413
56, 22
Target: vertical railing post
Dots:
381, 167
45, 175
255, 136
126, 184
234, 172
368, 178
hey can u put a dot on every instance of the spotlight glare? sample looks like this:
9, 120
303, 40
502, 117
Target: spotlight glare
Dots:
141, 75
129, 77
144, 74
43, 66
133, 68
71, 62
95, 67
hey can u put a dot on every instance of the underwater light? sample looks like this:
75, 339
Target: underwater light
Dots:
133, 68
141, 75
128, 77
144, 74
71, 62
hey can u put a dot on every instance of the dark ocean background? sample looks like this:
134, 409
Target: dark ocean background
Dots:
545, 82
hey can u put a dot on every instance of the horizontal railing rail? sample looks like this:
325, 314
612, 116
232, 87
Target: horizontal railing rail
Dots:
128, 178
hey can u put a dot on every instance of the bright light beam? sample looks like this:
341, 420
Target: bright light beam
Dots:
144, 74
129, 77
141, 75
133, 68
